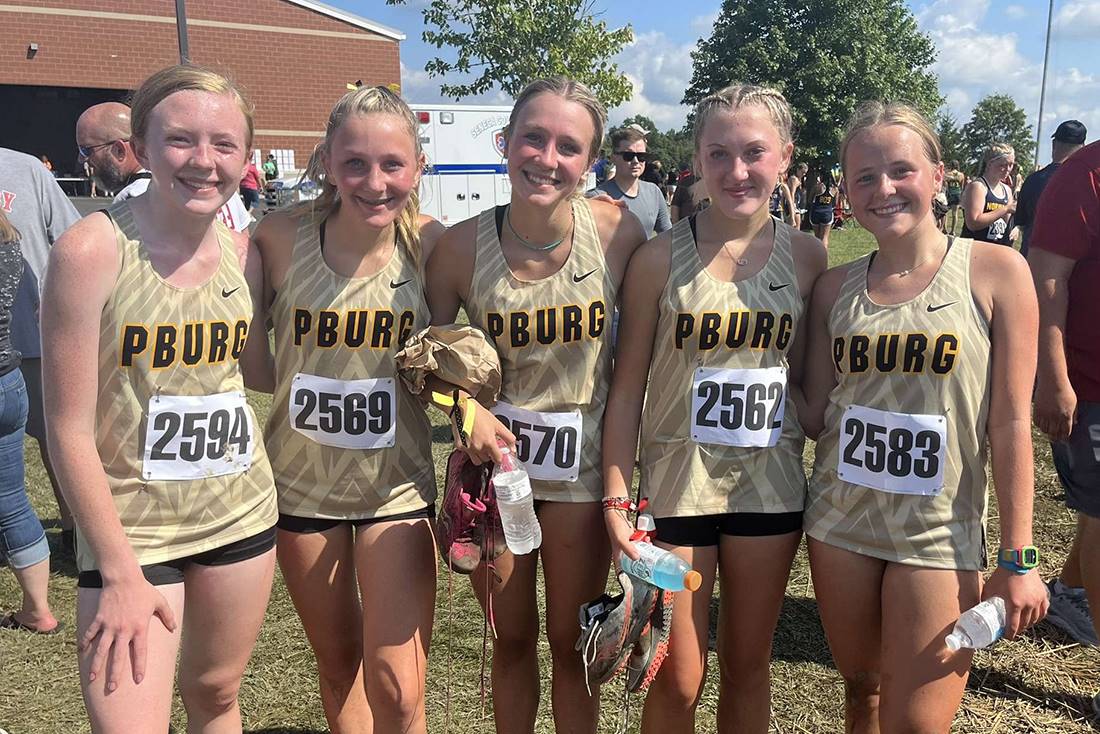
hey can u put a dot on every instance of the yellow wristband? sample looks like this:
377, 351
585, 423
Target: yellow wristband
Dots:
468, 413
442, 399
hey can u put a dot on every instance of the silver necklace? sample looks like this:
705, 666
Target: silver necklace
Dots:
739, 260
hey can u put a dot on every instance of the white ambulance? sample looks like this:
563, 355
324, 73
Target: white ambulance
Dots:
466, 172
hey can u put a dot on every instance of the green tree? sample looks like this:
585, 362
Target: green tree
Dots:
826, 56
672, 147
951, 138
508, 43
997, 118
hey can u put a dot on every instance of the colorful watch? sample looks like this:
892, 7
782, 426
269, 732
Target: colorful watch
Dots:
1018, 560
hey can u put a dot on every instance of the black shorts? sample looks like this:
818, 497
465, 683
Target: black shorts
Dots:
295, 524
1077, 461
953, 199
171, 572
705, 530
821, 216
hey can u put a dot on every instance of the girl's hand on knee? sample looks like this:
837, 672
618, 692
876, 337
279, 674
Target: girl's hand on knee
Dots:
118, 634
1025, 596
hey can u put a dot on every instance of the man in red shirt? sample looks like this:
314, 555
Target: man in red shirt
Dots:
1065, 262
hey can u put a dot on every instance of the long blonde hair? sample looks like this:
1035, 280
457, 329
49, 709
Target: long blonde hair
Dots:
8, 232
365, 101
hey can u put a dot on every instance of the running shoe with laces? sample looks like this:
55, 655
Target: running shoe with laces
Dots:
468, 528
1069, 611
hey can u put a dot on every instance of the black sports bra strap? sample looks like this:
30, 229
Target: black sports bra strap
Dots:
500, 212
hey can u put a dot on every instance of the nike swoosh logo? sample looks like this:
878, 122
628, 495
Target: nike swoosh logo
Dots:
227, 294
398, 285
932, 309
774, 287
579, 278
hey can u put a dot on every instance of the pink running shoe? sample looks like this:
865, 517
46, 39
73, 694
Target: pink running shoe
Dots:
468, 528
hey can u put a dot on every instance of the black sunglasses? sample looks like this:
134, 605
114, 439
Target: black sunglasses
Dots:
86, 151
631, 155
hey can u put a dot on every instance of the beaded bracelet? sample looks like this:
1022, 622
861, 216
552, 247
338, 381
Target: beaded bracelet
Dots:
618, 503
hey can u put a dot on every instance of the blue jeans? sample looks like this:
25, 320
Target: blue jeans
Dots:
22, 539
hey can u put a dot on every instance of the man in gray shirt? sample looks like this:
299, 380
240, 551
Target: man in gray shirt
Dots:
39, 209
644, 199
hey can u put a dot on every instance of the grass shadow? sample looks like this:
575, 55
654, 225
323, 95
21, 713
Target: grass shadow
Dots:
442, 434
799, 637
985, 681
62, 561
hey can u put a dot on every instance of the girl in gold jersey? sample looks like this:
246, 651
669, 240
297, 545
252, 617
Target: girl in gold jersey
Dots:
712, 321
351, 448
919, 355
540, 277
145, 319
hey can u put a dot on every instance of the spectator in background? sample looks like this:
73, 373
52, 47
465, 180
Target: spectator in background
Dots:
22, 540
690, 197
988, 203
49, 166
1065, 263
251, 186
103, 139
602, 168
271, 168
1069, 137
654, 173
798, 192
89, 173
670, 184
954, 181
39, 210
642, 198
822, 203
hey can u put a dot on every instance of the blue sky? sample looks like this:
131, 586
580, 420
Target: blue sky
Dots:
984, 47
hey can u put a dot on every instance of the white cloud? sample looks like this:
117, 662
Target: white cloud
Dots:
1079, 19
418, 87
1016, 12
952, 16
660, 70
703, 25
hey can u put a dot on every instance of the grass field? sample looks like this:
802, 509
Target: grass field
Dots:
1039, 683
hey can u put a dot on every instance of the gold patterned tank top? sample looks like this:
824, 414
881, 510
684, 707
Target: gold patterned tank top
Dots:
900, 466
347, 440
179, 443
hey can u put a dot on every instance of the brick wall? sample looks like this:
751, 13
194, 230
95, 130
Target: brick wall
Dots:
293, 79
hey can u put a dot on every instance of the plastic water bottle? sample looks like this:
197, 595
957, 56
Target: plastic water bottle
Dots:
660, 568
516, 504
979, 626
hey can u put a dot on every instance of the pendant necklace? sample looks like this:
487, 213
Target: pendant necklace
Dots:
524, 242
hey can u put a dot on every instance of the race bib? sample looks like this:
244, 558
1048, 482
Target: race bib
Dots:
197, 436
738, 407
900, 453
347, 414
548, 444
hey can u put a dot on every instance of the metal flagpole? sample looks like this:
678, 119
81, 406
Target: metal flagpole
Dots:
1042, 86
181, 31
